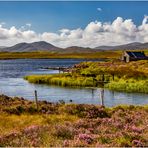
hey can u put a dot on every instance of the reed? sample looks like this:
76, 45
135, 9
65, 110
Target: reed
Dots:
129, 85
62, 80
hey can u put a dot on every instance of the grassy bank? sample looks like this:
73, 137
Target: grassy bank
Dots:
71, 125
62, 80
120, 76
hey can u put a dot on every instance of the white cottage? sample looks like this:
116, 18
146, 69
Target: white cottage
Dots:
128, 56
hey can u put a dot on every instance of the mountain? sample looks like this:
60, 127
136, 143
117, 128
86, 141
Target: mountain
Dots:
130, 46
44, 46
30, 47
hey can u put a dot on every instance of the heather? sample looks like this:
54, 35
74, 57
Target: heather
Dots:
115, 75
71, 125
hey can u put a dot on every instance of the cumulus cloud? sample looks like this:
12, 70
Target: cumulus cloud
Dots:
95, 33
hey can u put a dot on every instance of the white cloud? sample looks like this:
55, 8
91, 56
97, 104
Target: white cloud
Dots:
28, 24
99, 9
96, 33
2, 24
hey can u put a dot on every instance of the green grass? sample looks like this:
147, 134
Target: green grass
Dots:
129, 85
62, 80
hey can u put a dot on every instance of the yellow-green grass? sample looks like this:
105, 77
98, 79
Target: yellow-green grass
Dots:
11, 123
129, 85
62, 80
113, 54
51, 55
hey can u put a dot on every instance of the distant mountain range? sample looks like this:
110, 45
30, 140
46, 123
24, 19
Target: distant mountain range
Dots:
130, 46
44, 46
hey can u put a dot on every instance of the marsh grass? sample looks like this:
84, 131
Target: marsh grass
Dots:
129, 85
62, 80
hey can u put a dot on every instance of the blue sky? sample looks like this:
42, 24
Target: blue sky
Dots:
64, 24
52, 16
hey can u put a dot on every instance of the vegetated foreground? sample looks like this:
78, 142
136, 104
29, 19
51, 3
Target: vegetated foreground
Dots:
115, 75
69, 125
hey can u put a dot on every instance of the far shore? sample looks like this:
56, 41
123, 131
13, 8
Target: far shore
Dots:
51, 55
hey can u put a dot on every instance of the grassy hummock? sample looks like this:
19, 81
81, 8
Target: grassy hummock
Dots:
71, 125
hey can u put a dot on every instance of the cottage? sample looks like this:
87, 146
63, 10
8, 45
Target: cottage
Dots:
133, 56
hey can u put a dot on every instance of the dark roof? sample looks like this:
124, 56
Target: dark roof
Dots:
136, 54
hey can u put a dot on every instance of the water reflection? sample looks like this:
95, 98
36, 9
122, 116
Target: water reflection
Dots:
102, 96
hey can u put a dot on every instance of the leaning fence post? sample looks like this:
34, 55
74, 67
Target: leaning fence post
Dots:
36, 99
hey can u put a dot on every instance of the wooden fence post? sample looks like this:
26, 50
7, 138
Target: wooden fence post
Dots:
102, 96
113, 77
36, 99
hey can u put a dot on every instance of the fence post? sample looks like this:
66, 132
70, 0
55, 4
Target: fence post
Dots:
36, 99
102, 96
113, 77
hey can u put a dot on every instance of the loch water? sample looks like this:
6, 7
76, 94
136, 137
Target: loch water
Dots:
13, 84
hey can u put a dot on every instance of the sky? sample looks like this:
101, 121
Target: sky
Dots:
64, 24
